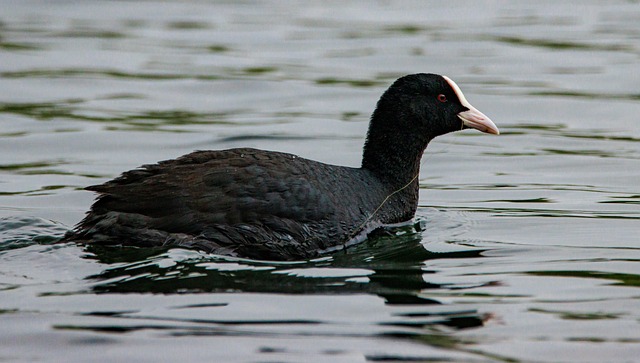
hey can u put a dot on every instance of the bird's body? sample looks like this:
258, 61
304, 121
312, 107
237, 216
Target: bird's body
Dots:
258, 204
271, 205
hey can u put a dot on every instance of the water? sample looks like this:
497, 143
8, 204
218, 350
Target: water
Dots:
526, 247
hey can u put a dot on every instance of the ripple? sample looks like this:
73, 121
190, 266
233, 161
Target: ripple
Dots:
553, 213
630, 199
632, 280
629, 154
19, 47
358, 83
144, 121
188, 25
18, 232
587, 95
562, 45
572, 315
85, 32
102, 73
31, 165
237, 138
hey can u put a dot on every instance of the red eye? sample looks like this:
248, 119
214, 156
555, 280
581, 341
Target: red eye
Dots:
442, 98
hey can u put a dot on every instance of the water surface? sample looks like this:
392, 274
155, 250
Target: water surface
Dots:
526, 245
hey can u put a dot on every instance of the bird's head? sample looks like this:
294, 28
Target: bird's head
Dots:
431, 105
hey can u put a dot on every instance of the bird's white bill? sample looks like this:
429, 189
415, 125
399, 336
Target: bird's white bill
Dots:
475, 119
472, 118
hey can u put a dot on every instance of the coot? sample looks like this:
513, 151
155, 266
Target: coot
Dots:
271, 205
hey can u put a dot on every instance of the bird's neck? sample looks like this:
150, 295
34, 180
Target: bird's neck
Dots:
393, 157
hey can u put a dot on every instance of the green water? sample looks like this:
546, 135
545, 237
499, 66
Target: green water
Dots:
527, 245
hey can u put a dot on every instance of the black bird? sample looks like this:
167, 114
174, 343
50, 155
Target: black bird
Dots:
277, 206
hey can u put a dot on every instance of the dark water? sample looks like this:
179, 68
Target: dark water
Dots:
527, 246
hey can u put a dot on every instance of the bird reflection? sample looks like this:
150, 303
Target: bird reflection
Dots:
391, 264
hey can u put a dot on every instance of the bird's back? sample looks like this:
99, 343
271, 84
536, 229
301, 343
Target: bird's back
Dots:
245, 202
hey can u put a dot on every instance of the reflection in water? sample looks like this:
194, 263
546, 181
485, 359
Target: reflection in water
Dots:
391, 266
